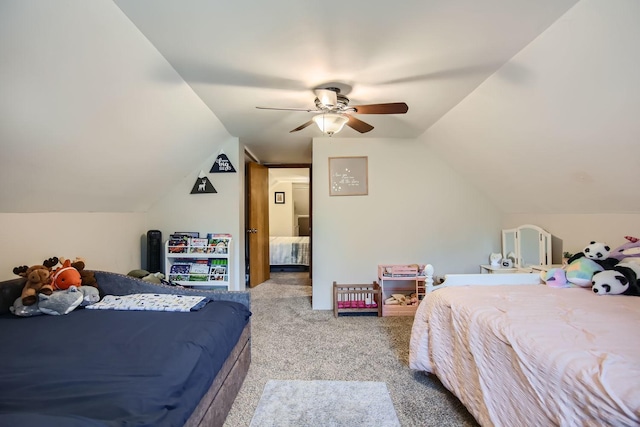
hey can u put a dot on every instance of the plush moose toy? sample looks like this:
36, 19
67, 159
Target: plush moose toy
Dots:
38, 280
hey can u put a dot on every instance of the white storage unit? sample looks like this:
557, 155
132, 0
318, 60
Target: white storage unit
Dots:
199, 262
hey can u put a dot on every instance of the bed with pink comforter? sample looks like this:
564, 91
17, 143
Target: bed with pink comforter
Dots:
531, 355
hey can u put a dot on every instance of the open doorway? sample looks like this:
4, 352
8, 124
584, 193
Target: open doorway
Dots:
290, 218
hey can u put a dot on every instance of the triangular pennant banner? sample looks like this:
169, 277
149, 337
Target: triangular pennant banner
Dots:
203, 186
222, 165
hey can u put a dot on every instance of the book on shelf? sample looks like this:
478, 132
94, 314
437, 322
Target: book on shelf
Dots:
198, 245
219, 245
192, 270
178, 245
219, 269
186, 234
219, 274
179, 272
218, 236
199, 272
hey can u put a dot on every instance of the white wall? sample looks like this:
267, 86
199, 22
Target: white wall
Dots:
576, 231
555, 130
222, 212
108, 241
111, 120
115, 241
417, 211
281, 215
84, 88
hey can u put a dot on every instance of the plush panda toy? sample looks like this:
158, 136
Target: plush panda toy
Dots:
597, 252
623, 279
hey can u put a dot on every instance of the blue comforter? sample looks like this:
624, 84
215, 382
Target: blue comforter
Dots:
113, 368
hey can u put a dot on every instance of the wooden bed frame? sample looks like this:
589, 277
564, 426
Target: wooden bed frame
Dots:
217, 401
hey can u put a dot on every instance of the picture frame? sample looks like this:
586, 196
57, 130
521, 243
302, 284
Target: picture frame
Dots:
348, 176
279, 198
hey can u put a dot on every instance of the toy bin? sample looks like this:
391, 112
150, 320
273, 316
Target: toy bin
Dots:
357, 299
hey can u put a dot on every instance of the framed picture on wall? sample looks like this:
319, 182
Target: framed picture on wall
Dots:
279, 198
348, 176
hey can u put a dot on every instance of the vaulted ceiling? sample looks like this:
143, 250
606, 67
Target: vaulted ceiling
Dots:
535, 99
243, 54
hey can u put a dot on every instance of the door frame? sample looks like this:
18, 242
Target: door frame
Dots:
308, 166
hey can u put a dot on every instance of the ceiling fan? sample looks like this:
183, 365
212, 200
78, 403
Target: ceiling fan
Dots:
334, 112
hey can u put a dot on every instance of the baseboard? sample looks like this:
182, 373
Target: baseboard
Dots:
288, 268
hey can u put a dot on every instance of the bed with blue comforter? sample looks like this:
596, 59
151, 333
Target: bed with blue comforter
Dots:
124, 368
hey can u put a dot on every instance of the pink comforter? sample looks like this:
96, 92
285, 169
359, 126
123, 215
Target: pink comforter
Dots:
532, 355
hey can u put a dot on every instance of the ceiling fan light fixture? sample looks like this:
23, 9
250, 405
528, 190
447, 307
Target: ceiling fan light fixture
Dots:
330, 123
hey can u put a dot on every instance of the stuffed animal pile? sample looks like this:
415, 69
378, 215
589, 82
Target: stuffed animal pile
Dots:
581, 267
624, 277
605, 271
401, 299
57, 291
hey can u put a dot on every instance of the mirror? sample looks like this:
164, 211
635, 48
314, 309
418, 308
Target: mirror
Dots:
530, 243
508, 243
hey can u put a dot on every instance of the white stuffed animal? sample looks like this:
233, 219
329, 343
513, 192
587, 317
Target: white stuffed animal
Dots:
495, 259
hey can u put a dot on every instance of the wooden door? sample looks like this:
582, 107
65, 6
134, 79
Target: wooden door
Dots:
258, 223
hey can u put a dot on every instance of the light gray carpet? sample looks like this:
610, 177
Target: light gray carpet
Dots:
325, 403
290, 341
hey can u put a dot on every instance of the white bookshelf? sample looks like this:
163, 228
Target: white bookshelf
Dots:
199, 262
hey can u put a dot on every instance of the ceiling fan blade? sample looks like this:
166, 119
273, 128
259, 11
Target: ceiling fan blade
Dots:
327, 97
308, 110
390, 108
359, 125
309, 123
